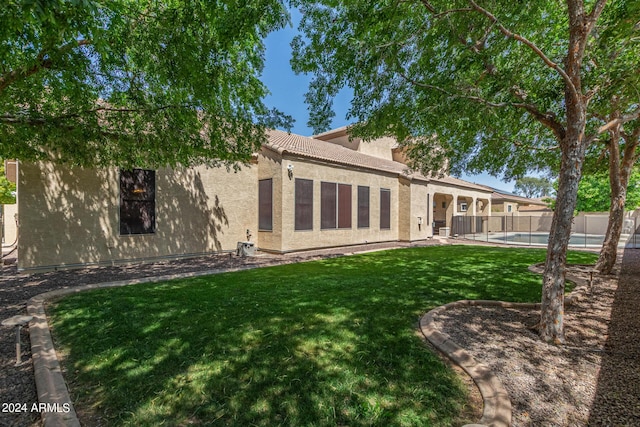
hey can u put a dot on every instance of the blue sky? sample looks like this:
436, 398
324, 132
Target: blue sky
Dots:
288, 89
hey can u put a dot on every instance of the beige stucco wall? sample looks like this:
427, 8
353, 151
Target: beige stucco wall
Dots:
502, 208
414, 216
380, 147
10, 231
452, 196
72, 214
285, 238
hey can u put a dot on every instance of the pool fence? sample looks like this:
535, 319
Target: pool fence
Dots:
588, 230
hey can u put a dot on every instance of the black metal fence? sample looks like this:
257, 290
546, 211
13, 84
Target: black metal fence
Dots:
586, 231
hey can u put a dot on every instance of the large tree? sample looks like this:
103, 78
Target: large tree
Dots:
134, 83
594, 192
624, 186
532, 186
489, 85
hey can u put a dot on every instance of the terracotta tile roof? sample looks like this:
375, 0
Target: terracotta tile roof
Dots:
461, 183
283, 142
515, 198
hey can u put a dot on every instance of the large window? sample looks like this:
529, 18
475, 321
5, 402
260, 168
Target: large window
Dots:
304, 204
265, 205
137, 201
363, 207
335, 205
385, 209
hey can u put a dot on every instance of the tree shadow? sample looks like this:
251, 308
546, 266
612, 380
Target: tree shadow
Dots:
267, 348
72, 215
617, 399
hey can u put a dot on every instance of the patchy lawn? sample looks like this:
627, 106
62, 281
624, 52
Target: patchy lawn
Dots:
322, 343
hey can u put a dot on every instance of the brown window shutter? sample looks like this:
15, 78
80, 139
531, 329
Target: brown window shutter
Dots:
304, 204
265, 204
344, 206
385, 209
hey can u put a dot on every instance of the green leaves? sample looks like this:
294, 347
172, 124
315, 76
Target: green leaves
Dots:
482, 76
594, 192
7, 188
135, 84
531, 186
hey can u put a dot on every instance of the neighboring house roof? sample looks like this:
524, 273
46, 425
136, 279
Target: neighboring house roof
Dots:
499, 195
461, 183
517, 199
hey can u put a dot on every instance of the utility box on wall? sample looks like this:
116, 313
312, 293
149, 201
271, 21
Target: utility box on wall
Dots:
246, 249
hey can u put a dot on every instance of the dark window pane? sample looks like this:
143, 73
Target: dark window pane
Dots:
137, 201
385, 209
265, 205
344, 206
327, 205
137, 217
304, 204
363, 207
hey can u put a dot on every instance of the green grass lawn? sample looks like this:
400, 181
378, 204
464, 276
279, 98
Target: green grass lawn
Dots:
325, 343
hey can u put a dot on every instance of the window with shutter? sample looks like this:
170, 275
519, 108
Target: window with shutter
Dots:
137, 201
303, 204
385, 209
363, 207
265, 205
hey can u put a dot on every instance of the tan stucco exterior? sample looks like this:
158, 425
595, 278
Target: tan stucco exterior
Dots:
284, 237
10, 228
381, 147
70, 216
448, 200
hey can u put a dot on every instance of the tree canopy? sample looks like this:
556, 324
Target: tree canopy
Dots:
134, 83
497, 86
488, 78
531, 186
594, 192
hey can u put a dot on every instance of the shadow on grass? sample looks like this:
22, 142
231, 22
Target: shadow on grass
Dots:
319, 343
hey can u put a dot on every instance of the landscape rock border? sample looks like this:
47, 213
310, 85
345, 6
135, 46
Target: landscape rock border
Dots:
497, 405
50, 384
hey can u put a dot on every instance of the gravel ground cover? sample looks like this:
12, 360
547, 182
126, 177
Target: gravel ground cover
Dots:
593, 380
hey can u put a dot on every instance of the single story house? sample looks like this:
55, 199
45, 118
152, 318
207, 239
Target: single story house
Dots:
297, 193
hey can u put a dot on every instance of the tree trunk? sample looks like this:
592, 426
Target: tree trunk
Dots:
552, 310
619, 180
573, 145
609, 251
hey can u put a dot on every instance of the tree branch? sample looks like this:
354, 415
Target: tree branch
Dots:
39, 121
43, 61
592, 18
619, 121
529, 44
